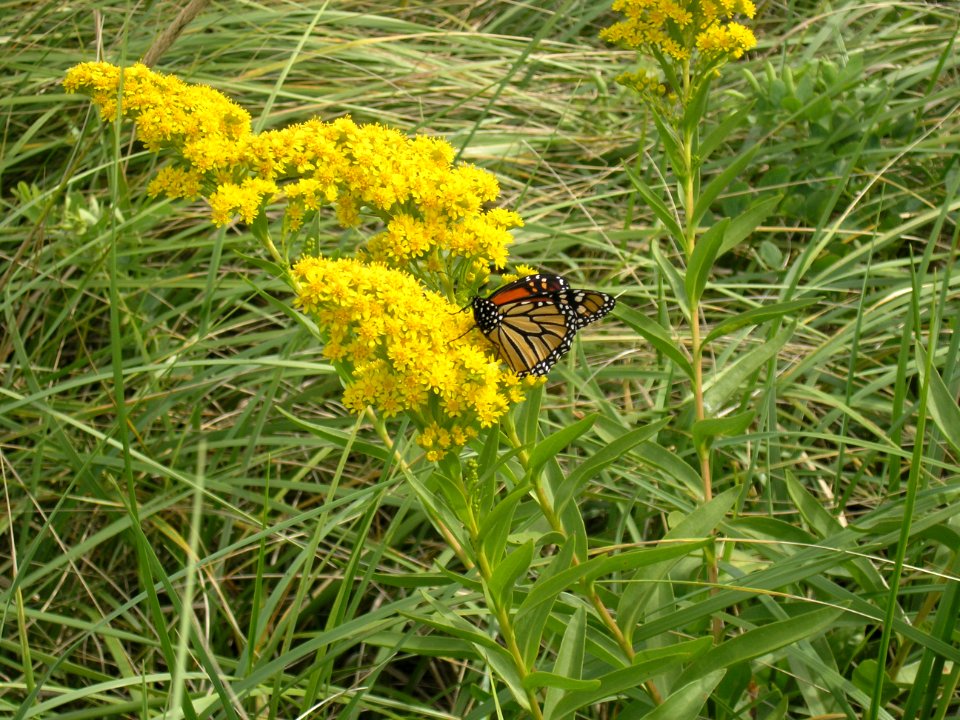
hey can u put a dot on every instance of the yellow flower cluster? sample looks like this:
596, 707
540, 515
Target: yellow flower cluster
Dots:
642, 82
401, 344
406, 348
732, 39
245, 199
206, 128
675, 27
438, 441
431, 208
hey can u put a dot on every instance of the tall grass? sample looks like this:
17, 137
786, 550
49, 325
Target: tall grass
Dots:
194, 524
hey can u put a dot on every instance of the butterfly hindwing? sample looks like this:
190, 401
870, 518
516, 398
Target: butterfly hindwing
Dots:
588, 305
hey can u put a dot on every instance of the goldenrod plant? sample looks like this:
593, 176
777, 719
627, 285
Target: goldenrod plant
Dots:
688, 43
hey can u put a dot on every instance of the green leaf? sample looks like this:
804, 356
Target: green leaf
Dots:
760, 641
508, 571
502, 663
615, 682
528, 422
757, 316
865, 678
452, 624
685, 702
696, 107
701, 261
611, 452
428, 496
655, 455
634, 559
723, 131
490, 450
673, 277
493, 654
731, 378
549, 447
268, 266
811, 509
533, 614
569, 662
433, 645
551, 680
338, 438
705, 430
653, 333
771, 256
594, 568
742, 226
942, 407
659, 208
721, 181
699, 523
453, 492
495, 526
685, 650
672, 146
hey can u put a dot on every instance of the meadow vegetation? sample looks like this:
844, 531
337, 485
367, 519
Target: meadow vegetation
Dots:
738, 496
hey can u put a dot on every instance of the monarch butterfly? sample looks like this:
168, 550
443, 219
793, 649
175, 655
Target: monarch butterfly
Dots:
532, 321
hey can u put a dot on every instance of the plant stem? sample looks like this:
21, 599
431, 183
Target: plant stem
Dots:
504, 621
690, 176
438, 523
268, 244
587, 588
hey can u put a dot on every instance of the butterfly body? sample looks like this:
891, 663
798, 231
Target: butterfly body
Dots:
532, 321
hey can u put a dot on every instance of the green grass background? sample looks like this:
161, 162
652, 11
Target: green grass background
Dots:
144, 355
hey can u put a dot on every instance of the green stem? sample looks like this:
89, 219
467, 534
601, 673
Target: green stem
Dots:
502, 614
504, 621
690, 176
549, 512
438, 523
506, 627
271, 248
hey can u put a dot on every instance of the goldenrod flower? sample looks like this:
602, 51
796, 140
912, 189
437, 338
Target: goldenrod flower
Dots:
732, 39
431, 209
245, 199
404, 346
674, 28
438, 441
204, 126
177, 183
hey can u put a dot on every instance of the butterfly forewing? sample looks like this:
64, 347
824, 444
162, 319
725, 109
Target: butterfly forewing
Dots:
529, 287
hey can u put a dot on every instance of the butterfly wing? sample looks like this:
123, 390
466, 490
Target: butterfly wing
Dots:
533, 320
586, 305
528, 288
532, 336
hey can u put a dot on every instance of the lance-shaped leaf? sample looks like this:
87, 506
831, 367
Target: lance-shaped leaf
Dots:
701, 261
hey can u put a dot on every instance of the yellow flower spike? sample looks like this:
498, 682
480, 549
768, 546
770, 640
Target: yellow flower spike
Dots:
675, 28
428, 204
406, 345
406, 349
